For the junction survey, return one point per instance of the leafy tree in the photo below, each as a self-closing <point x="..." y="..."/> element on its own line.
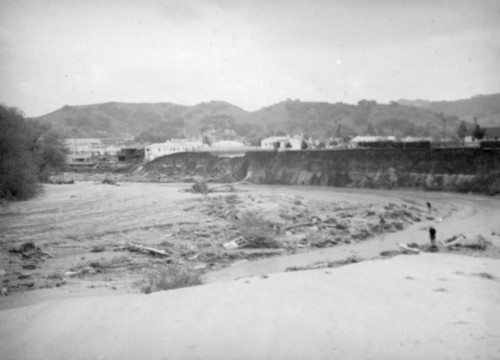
<point x="370" y="130"/>
<point x="18" y="175"/>
<point x="172" y="129"/>
<point x="478" y="132"/>
<point x="49" y="154"/>
<point x="217" y="123"/>
<point x="462" y="130"/>
<point x="29" y="151"/>
<point x="321" y="145"/>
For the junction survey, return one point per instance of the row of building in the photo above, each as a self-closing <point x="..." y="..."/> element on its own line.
<point x="88" y="149"/>
<point x="120" y="149"/>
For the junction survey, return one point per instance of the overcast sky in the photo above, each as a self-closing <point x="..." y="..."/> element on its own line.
<point x="250" y="53"/>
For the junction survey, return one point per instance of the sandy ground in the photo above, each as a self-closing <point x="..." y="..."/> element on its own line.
<point x="409" y="307"/>
<point x="431" y="305"/>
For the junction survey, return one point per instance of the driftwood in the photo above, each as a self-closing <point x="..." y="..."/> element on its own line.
<point x="217" y="188"/>
<point x="201" y="187"/>
<point x="239" y="242"/>
<point x="311" y="223"/>
<point x="408" y="249"/>
<point x="146" y="249"/>
<point x="326" y="264"/>
<point x="454" y="240"/>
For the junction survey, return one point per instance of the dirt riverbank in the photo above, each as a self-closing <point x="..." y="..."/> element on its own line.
<point x="72" y="259"/>
<point x="86" y="238"/>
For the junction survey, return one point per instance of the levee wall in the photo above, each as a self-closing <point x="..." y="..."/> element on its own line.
<point x="460" y="169"/>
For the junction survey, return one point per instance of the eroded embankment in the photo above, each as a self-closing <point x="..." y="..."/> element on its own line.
<point x="462" y="170"/>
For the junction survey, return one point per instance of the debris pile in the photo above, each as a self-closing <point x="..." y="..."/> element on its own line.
<point x="29" y="254"/>
<point x="62" y="179"/>
<point x="200" y="187"/>
<point x="109" y="181"/>
<point x="326" y="264"/>
<point x="474" y="242"/>
<point x="290" y="222"/>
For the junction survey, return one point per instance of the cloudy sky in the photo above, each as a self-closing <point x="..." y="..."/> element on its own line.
<point x="251" y="53"/>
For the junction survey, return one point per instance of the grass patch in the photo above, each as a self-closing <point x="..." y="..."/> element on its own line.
<point x="169" y="277"/>
<point x="257" y="231"/>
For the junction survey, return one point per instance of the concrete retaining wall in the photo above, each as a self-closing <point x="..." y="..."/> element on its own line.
<point x="464" y="170"/>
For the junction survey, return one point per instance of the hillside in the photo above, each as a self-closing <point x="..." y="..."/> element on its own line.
<point x="160" y="121"/>
<point x="118" y="119"/>
<point x="485" y="107"/>
<point x="325" y="120"/>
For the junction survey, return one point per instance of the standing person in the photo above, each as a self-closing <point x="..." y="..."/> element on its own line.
<point x="429" y="207"/>
<point x="432" y="235"/>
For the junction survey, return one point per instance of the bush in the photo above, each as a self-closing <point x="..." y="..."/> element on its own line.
<point x="18" y="175"/>
<point x="28" y="152"/>
<point x="257" y="231"/>
<point x="170" y="277"/>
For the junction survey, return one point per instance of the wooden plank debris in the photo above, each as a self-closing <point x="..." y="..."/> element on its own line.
<point x="147" y="249"/>
<point x="311" y="223"/>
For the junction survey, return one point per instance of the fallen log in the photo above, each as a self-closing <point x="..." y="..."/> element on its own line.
<point x="230" y="188"/>
<point x="142" y="248"/>
<point x="311" y="223"/>
<point x="454" y="240"/>
<point x="408" y="249"/>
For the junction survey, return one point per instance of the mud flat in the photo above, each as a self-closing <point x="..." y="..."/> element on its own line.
<point x="435" y="305"/>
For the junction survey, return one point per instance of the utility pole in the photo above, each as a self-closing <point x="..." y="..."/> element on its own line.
<point x="443" y="119"/>
<point x="444" y="128"/>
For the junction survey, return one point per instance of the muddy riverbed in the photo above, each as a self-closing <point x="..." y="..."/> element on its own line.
<point x="89" y="238"/>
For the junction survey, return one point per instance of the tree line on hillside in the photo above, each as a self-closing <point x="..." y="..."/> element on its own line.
<point x="29" y="152"/>
<point x="221" y="121"/>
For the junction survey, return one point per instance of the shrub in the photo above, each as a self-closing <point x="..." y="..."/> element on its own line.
<point x="18" y="178"/>
<point x="28" y="152"/>
<point x="257" y="231"/>
<point x="170" y="277"/>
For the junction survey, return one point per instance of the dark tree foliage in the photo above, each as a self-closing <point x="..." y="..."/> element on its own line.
<point x="462" y="130"/>
<point x="28" y="152"/>
<point x="18" y="178"/>
<point x="478" y="133"/>
<point x="49" y="154"/>
<point x="171" y="129"/>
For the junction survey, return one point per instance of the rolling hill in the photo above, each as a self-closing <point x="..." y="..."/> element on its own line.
<point x="485" y="107"/>
<point x="160" y="121"/>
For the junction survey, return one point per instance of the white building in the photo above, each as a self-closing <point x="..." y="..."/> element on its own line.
<point x="173" y="146"/>
<point x="228" y="144"/>
<point x="83" y="149"/>
<point x="360" y="139"/>
<point x="369" y="139"/>
<point x="415" y="139"/>
<point x="281" y="143"/>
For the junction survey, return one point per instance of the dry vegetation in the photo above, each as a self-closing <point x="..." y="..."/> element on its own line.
<point x="169" y="277"/>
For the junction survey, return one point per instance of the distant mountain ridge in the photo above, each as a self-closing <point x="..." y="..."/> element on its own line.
<point x="160" y="121"/>
<point x="485" y="107"/>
